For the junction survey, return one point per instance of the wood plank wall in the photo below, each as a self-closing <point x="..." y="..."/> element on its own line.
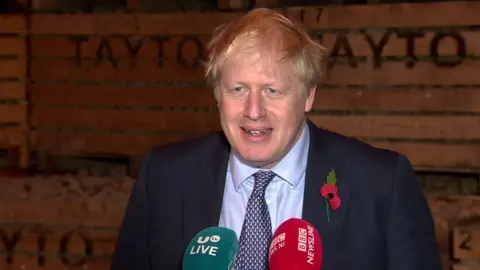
<point x="118" y="84"/>
<point x="13" y="73"/>
<point x="400" y="76"/>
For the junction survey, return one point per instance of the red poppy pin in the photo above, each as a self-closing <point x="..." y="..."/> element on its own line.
<point x="330" y="192"/>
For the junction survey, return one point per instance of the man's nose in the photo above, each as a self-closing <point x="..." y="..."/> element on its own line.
<point x="254" y="106"/>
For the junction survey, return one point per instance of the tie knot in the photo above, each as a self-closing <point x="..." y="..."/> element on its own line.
<point x="262" y="179"/>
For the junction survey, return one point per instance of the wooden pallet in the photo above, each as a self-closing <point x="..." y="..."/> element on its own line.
<point x="466" y="245"/>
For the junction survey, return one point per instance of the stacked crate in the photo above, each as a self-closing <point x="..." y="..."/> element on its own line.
<point x="466" y="245"/>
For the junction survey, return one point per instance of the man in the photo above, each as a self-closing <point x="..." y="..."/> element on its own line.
<point x="269" y="164"/>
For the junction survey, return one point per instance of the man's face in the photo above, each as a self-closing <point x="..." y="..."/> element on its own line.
<point x="262" y="108"/>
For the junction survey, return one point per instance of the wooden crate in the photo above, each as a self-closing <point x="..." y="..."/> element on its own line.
<point x="465" y="267"/>
<point x="118" y="84"/>
<point x="466" y="244"/>
<point x="84" y="213"/>
<point x="448" y="212"/>
<point x="60" y="222"/>
<point x="13" y="72"/>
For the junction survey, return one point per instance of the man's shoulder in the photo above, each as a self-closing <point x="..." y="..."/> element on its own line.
<point x="358" y="151"/>
<point x="191" y="148"/>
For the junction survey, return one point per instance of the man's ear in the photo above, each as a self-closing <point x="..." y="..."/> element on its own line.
<point x="216" y="95"/>
<point x="310" y="98"/>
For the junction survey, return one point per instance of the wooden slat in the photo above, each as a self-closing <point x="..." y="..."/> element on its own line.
<point x="391" y="15"/>
<point x="13" y="24"/>
<point x="231" y="4"/>
<point x="134" y="5"/>
<point x="460" y="266"/>
<point x="332" y="99"/>
<point x="12" y="90"/>
<point x="103" y="240"/>
<point x="12" y="46"/>
<point x="147" y="70"/>
<point x="45" y="5"/>
<point x="437" y="155"/>
<point x="396" y="43"/>
<point x="454" y="156"/>
<point x="445" y="257"/>
<point x="392" y="73"/>
<point x="176" y="121"/>
<point x="267" y="3"/>
<point x="53" y="263"/>
<point x="13" y="68"/>
<point x="400" y="100"/>
<point x="76" y="241"/>
<point x="124" y="47"/>
<point x="71" y="143"/>
<point x="11" y="137"/>
<point x="141" y="24"/>
<point x="398" y="73"/>
<point x="161" y="96"/>
<point x="65" y="200"/>
<point x="366" y="126"/>
<point x="12" y="113"/>
<point x="403" y="127"/>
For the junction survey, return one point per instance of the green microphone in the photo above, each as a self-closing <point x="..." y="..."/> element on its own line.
<point x="213" y="248"/>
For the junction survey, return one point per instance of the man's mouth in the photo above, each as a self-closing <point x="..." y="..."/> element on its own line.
<point x="257" y="132"/>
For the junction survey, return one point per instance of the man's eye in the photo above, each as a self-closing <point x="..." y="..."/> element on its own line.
<point x="272" y="91"/>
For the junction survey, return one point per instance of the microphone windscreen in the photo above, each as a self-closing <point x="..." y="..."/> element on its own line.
<point x="212" y="248"/>
<point x="296" y="245"/>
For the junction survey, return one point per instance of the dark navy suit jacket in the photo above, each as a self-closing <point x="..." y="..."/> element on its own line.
<point x="383" y="223"/>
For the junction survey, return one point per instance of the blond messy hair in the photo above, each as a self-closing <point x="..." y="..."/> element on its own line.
<point x="267" y="32"/>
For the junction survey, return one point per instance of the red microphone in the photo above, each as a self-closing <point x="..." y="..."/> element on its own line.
<point x="296" y="245"/>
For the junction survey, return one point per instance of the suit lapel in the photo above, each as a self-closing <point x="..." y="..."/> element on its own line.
<point x="322" y="158"/>
<point x="203" y="199"/>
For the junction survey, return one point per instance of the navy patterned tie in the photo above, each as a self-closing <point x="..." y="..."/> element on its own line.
<point x="257" y="228"/>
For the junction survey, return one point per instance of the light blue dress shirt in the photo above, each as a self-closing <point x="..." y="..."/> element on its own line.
<point x="284" y="195"/>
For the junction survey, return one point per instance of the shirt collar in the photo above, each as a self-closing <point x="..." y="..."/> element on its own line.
<point x="290" y="169"/>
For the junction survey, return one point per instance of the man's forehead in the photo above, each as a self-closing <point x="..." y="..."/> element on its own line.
<point x="265" y="62"/>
